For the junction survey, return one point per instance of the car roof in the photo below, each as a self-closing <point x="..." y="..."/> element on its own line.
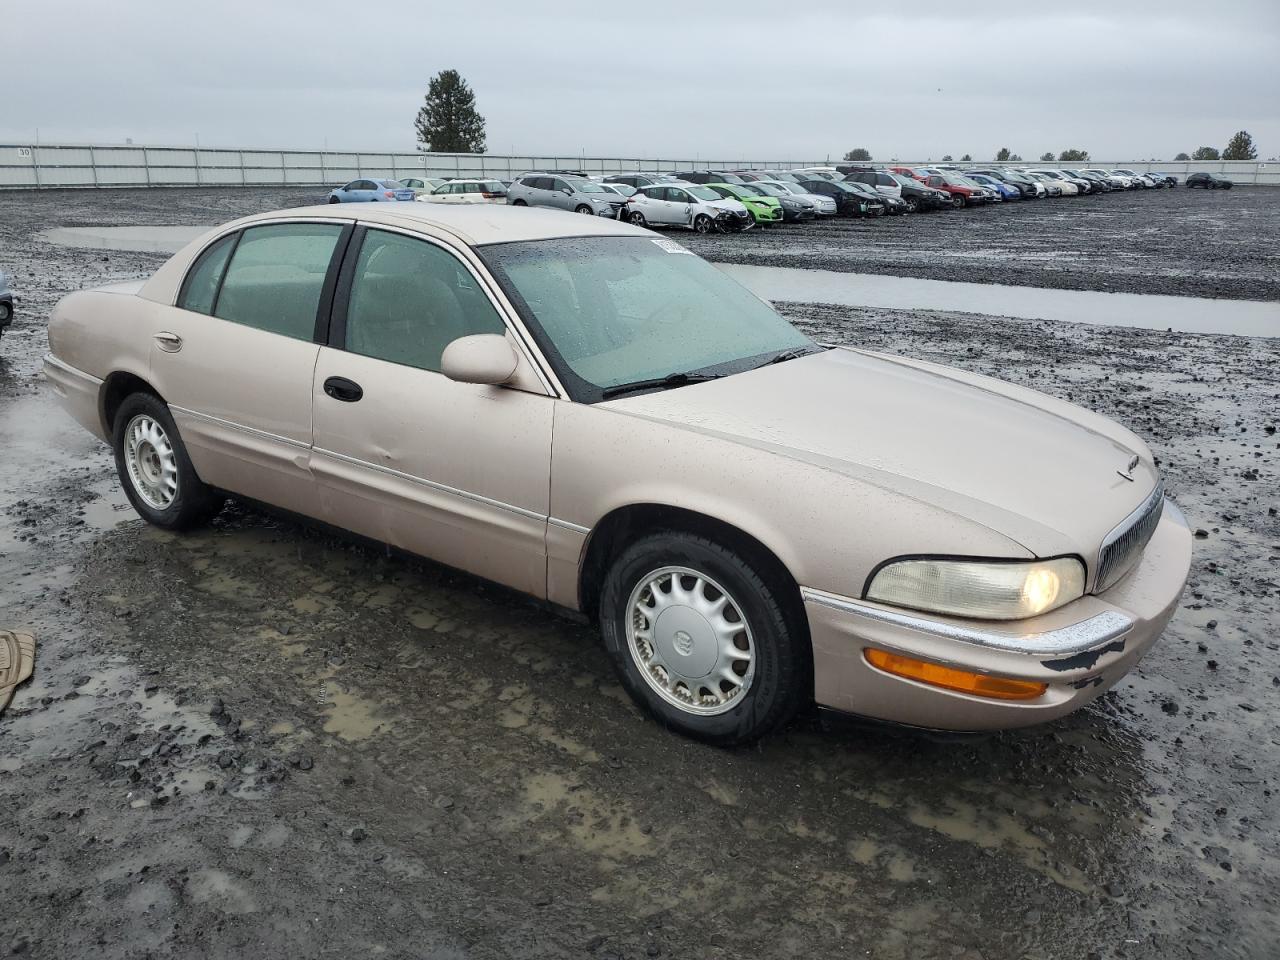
<point x="474" y="224"/>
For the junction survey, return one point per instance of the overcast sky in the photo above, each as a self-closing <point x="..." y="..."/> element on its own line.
<point x="911" y="80"/>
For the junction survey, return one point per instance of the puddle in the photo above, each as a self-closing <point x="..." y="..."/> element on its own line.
<point x="1250" y="318"/>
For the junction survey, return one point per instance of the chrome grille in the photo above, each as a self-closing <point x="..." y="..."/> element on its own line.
<point x="1125" y="543"/>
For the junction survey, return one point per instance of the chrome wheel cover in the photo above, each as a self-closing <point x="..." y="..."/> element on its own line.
<point x="690" y="641"/>
<point x="151" y="462"/>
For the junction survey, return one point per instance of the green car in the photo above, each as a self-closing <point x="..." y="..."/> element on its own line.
<point x="764" y="208"/>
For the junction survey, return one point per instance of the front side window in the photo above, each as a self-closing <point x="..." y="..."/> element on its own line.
<point x="276" y="276"/>
<point x="617" y="310"/>
<point x="200" y="288"/>
<point x="410" y="299"/>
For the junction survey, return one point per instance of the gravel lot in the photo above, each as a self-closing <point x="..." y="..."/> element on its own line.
<point x="1224" y="243"/>
<point x="264" y="738"/>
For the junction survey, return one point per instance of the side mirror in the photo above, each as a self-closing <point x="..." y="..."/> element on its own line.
<point x="480" y="358"/>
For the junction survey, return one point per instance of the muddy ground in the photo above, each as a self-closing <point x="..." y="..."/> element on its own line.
<point x="267" y="739"/>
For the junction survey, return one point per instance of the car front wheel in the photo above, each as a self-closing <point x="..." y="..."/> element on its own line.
<point x="702" y="640"/>
<point x="957" y="200"/>
<point x="154" y="468"/>
<point x="702" y="223"/>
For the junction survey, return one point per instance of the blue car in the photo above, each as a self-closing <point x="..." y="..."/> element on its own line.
<point x="369" y="191"/>
<point x="1006" y="191"/>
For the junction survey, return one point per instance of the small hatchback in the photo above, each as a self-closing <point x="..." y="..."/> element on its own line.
<point x="562" y="192"/>
<point x="691" y="205"/>
<point x="586" y="412"/>
<point x="371" y="191"/>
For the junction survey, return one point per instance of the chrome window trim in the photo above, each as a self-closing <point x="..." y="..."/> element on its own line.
<point x="510" y="316"/>
<point x="272" y="221"/>
<point x="1098" y="630"/>
<point x="240" y="427"/>
<point x="433" y="485"/>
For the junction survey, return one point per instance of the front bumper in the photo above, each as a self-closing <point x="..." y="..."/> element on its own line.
<point x="1079" y="650"/>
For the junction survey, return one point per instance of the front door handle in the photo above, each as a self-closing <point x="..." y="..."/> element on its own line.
<point x="168" y="342"/>
<point x="340" y="388"/>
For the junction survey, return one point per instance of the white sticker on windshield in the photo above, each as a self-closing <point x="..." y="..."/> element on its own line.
<point x="668" y="245"/>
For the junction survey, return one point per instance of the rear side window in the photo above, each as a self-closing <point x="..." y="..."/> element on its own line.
<point x="276" y="276"/>
<point x="410" y="299"/>
<point x="200" y="288"/>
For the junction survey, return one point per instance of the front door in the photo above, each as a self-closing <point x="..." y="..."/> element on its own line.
<point x="234" y="358"/>
<point x="453" y="471"/>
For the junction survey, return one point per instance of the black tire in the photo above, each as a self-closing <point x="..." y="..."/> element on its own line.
<point x="636" y="218"/>
<point x="583" y="208"/>
<point x="334" y="200"/>
<point x="912" y="204"/>
<point x="958" y="200"/>
<point x="518" y="203"/>
<point x="782" y="658"/>
<point x="6" y="311"/>
<point x="194" y="502"/>
<point x="703" y="224"/>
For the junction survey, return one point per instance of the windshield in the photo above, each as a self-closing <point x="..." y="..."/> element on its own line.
<point x="615" y="310"/>
<point x="704" y="193"/>
<point x="750" y="189"/>
<point x="769" y="189"/>
<point x="587" y="186"/>
<point x="787" y="177"/>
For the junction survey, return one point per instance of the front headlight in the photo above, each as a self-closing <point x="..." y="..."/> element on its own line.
<point x="979" y="589"/>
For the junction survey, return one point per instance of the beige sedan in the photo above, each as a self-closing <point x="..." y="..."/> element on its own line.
<point x="586" y="412"/>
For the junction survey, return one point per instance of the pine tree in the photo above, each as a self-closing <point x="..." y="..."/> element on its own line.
<point x="1240" y="147"/>
<point x="447" y="121"/>
<point x="1003" y="155"/>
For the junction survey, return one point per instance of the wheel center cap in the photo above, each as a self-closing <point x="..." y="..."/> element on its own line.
<point x="685" y="641"/>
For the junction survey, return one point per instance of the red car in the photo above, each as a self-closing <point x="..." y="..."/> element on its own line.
<point x="964" y="192"/>
<point x="910" y="172"/>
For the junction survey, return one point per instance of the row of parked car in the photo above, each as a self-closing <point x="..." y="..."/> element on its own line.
<point x="725" y="201"/>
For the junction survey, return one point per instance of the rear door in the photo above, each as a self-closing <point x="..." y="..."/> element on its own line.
<point x="234" y="358"/>
<point x="453" y="471"/>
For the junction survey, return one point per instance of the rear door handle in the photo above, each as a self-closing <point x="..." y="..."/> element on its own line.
<point x="168" y="342"/>
<point x="340" y="388"/>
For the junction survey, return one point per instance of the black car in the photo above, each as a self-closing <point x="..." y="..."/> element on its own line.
<point x="849" y="202"/>
<point x="708" y="176"/>
<point x="1210" y="181"/>
<point x="915" y="195"/>
<point x="6" y="303"/>
<point x="1023" y="184"/>
<point x="892" y="205"/>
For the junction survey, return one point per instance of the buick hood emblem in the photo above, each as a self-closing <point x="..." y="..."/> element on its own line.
<point x="1127" y="472"/>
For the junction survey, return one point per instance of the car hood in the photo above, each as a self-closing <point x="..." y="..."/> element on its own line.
<point x="733" y="206"/>
<point x="1037" y="470"/>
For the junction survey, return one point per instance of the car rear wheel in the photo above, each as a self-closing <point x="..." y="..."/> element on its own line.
<point x="154" y="468"/>
<point x="702" y="223"/>
<point x="637" y="218"/>
<point x="5" y="312"/>
<point x="518" y="203"/>
<point x="702" y="640"/>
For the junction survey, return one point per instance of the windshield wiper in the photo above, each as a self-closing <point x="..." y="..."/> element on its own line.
<point x="671" y="380"/>
<point x="786" y="355"/>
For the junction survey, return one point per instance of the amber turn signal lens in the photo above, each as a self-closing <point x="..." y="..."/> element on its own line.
<point x="949" y="678"/>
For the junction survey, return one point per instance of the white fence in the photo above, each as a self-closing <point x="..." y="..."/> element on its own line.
<point x="92" y="165"/>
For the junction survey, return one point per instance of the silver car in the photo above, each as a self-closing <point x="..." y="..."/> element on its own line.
<point x="563" y="192"/>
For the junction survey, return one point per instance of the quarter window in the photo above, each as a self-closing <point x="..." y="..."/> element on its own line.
<point x="410" y="299"/>
<point x="200" y="288"/>
<point x="276" y="276"/>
